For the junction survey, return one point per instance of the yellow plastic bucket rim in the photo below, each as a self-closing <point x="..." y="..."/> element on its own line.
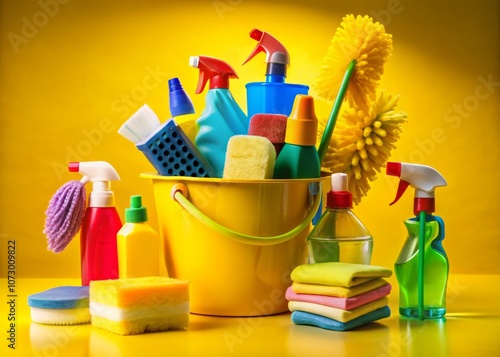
<point x="153" y="176"/>
<point x="179" y="194"/>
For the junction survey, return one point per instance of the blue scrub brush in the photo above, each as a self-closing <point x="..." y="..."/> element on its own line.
<point x="166" y="146"/>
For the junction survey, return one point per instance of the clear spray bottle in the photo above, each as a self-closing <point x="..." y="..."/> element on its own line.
<point x="422" y="266"/>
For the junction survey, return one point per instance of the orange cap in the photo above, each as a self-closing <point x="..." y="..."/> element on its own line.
<point x="302" y="124"/>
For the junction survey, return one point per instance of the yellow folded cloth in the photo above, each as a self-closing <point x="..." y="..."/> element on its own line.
<point x="338" y="314"/>
<point x="339" y="291"/>
<point x="338" y="274"/>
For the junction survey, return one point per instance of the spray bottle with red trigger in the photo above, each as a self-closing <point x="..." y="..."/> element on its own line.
<point x="101" y="223"/>
<point x="222" y="117"/>
<point x="422" y="266"/>
<point x="273" y="96"/>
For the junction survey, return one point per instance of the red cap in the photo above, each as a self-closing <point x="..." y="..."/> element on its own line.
<point x="74" y="167"/>
<point x="424" y="204"/>
<point x="339" y="196"/>
<point x="213" y="69"/>
<point x="339" y="199"/>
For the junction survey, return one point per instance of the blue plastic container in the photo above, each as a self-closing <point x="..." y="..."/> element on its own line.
<point x="272" y="97"/>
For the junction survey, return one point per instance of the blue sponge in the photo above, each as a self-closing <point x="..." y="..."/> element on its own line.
<point x="64" y="305"/>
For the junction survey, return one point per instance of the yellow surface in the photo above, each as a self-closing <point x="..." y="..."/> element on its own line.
<point x="71" y="72"/>
<point x="470" y="329"/>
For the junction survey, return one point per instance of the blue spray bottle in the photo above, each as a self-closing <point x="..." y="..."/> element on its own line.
<point x="273" y="96"/>
<point x="222" y="117"/>
<point x="422" y="266"/>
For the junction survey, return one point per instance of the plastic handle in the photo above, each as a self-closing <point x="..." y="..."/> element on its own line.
<point x="179" y="191"/>
<point x="403" y="185"/>
<point x="330" y="124"/>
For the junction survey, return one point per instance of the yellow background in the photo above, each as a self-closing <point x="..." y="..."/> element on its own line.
<point x="73" y="71"/>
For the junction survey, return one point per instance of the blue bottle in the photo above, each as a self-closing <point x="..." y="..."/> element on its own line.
<point x="273" y="96"/>
<point x="222" y="117"/>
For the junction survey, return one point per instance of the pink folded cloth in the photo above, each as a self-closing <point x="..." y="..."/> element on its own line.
<point x="340" y="302"/>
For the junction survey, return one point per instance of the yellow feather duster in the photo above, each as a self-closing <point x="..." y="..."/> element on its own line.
<point x="362" y="142"/>
<point x="358" y="39"/>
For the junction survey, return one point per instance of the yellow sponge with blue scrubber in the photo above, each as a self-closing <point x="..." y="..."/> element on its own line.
<point x="64" y="305"/>
<point x="137" y="305"/>
<point x="249" y="157"/>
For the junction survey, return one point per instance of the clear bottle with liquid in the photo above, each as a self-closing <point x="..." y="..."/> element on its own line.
<point x="339" y="236"/>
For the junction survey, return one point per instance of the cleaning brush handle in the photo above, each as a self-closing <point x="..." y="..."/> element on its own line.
<point x="330" y="125"/>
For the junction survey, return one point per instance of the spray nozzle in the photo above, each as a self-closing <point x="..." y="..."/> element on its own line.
<point x="100" y="173"/>
<point x="277" y="56"/>
<point x="213" y="69"/>
<point x="424" y="179"/>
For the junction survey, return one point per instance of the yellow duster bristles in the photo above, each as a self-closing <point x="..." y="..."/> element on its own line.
<point x="357" y="39"/>
<point x="362" y="142"/>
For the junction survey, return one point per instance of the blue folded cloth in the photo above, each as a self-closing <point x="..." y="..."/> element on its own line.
<point x="306" y="318"/>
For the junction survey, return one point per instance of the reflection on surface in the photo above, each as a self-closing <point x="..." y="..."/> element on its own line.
<point x="49" y="340"/>
<point x="416" y="336"/>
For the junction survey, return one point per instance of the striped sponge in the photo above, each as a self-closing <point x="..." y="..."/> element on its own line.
<point x="64" y="305"/>
<point x="137" y="305"/>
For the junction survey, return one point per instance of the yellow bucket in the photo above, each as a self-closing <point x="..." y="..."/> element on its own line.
<point x="235" y="241"/>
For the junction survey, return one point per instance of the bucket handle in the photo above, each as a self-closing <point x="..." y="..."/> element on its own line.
<point x="179" y="193"/>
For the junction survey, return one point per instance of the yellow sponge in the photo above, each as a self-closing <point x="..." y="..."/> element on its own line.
<point x="249" y="157"/>
<point x="137" y="305"/>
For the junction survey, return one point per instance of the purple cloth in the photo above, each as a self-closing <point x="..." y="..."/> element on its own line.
<point x="64" y="215"/>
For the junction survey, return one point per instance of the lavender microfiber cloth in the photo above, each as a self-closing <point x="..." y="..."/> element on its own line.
<point x="306" y="318"/>
<point x="64" y="215"/>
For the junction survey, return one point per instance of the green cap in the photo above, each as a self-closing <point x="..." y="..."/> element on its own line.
<point x="136" y="213"/>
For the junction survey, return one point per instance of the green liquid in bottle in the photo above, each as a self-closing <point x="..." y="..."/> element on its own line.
<point x="435" y="273"/>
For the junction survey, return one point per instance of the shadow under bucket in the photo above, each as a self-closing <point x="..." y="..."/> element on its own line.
<point x="235" y="241"/>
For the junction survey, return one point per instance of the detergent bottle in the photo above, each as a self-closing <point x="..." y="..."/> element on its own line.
<point x="273" y="96"/>
<point x="98" y="248"/>
<point x="299" y="157"/>
<point x="138" y="243"/>
<point x="339" y="236"/>
<point x="222" y="116"/>
<point x="181" y="108"/>
<point x="422" y="266"/>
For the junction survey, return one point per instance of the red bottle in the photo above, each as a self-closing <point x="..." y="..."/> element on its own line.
<point x="98" y="247"/>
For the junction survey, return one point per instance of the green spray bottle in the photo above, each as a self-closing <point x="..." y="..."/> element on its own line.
<point x="422" y="266"/>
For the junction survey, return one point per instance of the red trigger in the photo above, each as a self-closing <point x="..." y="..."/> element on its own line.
<point x="403" y="185"/>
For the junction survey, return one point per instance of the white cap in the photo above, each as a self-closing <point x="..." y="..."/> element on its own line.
<point x="339" y="182"/>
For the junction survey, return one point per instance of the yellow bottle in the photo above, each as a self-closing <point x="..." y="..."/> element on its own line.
<point x="138" y="243"/>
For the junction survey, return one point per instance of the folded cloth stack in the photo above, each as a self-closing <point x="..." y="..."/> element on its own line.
<point x="338" y="296"/>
